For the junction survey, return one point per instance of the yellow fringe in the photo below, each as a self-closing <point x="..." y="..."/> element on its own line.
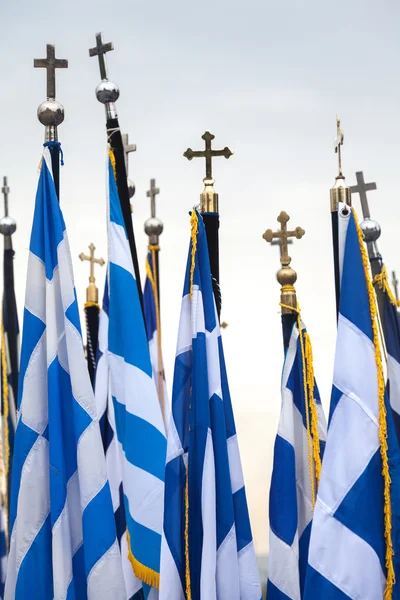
<point x="142" y="572"/>
<point x="390" y="580"/>
<point x="112" y="159"/>
<point x="313" y="408"/>
<point x="195" y="227"/>
<point x="6" y="409"/>
<point x="187" y="564"/>
<point x="152" y="275"/>
<point x="381" y="279"/>
<point x="307" y="409"/>
<point x="90" y="304"/>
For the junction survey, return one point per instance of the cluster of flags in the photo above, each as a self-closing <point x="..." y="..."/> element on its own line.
<point x="107" y="491"/>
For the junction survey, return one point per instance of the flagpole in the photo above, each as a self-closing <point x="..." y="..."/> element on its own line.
<point x="92" y="312"/>
<point x="340" y="193"/>
<point x="286" y="276"/>
<point x="209" y="209"/>
<point x="107" y="93"/>
<point x="50" y="112"/>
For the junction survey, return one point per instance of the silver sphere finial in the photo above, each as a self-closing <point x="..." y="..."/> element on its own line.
<point x="153" y="227"/>
<point x="371" y="230"/>
<point x="50" y="113"/>
<point x="107" y="92"/>
<point x="7" y="225"/>
<point x="131" y="188"/>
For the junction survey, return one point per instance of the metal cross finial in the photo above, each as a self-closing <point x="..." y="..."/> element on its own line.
<point x="128" y="148"/>
<point x="208" y="153"/>
<point x="50" y="63"/>
<point x="339" y="141"/>
<point x="283" y="236"/>
<point x="92" y="260"/>
<point x="5" y="191"/>
<point x="100" y="50"/>
<point x="395" y="284"/>
<point x="152" y="193"/>
<point x="278" y="242"/>
<point x="362" y="188"/>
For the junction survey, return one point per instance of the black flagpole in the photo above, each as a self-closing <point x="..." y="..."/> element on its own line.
<point x="209" y="209"/>
<point x="107" y="93"/>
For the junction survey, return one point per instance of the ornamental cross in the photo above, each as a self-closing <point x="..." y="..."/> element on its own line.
<point x="362" y="188"/>
<point x="101" y="50"/>
<point x="339" y="141"/>
<point x="395" y="284"/>
<point x="208" y="153"/>
<point x="152" y="193"/>
<point x="50" y="63"/>
<point x="279" y="243"/>
<point x="283" y="236"/>
<point x="92" y="260"/>
<point x="128" y="148"/>
<point x="5" y="191"/>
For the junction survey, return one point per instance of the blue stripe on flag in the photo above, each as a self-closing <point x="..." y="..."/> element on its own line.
<point x="322" y="588"/>
<point x="115" y="206"/>
<point x="361" y="502"/>
<point x="355" y="306"/>
<point x="283" y="492"/>
<point x="275" y="593"/>
<point x="48" y="224"/>
<point x="33" y="330"/>
<point x="242" y="520"/>
<point x="144" y="538"/>
<point x="146" y="448"/>
<point x="77" y="588"/>
<point x="174" y="515"/>
<point x="126" y="314"/>
<point x="35" y="576"/>
<point x="72" y="314"/>
<point x="180" y="392"/>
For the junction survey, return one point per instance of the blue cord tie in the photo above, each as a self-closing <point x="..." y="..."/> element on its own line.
<point x="55" y="144"/>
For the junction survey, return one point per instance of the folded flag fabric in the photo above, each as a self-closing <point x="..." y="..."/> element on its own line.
<point x="353" y="534"/>
<point x="136" y="444"/>
<point x="298" y="452"/>
<point x="60" y="493"/>
<point x="207" y="550"/>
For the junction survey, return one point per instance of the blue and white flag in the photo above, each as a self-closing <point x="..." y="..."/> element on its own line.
<point x="137" y="443"/>
<point x="153" y="327"/>
<point x="298" y="451"/>
<point x="63" y="539"/>
<point x="350" y="554"/>
<point x="207" y="551"/>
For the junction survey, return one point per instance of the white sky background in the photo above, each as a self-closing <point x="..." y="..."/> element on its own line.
<point x="267" y="78"/>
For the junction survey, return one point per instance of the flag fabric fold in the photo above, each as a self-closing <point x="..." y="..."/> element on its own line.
<point x="130" y="414"/>
<point x="298" y="452"/>
<point x="153" y="326"/>
<point x="353" y="534"/>
<point x="60" y="493"/>
<point x="207" y="549"/>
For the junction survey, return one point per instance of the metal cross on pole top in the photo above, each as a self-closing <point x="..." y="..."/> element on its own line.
<point x="286" y="276"/>
<point x="339" y="141"/>
<point x="152" y="193"/>
<point x="283" y="236"/>
<point x="208" y="153"/>
<point x="50" y="63"/>
<point x="128" y="148"/>
<point x="5" y="190"/>
<point x="92" y="294"/>
<point x="362" y="188"/>
<point x="101" y="50"/>
<point x="277" y="242"/>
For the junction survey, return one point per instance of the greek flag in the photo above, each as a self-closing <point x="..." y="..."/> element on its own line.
<point x="136" y="453"/>
<point x="153" y="326"/>
<point x="63" y="540"/>
<point x="207" y="551"/>
<point x="298" y="452"/>
<point x="350" y="554"/>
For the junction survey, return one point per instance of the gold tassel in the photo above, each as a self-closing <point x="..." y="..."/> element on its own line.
<point x="187" y="563"/>
<point x="381" y="279"/>
<point x="313" y="408"/>
<point x="195" y="227"/>
<point x="6" y="409"/>
<point x="390" y="579"/>
<point x="112" y="160"/>
<point x="142" y="572"/>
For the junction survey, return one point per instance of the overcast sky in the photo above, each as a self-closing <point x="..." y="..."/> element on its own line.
<point x="267" y="78"/>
